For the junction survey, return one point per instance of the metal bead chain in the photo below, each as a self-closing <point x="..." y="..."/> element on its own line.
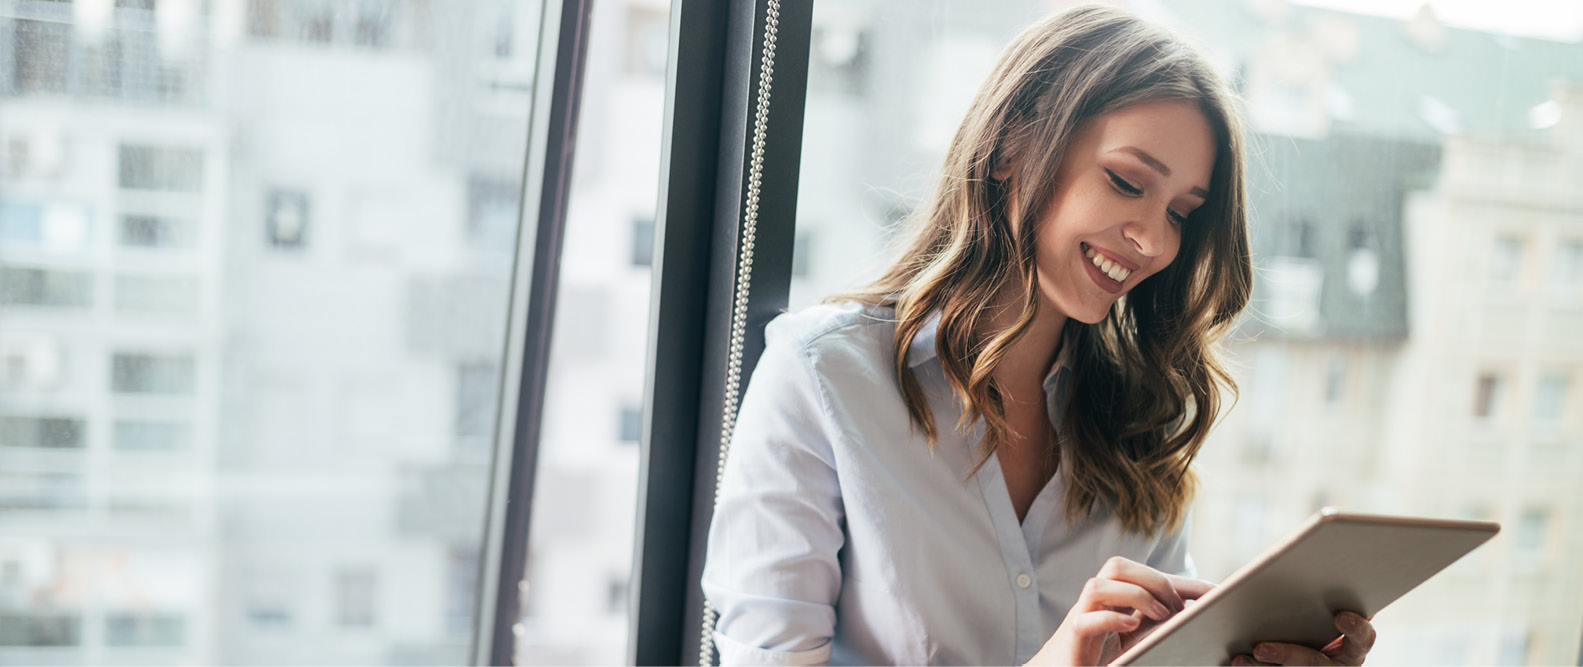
<point x="739" y="313"/>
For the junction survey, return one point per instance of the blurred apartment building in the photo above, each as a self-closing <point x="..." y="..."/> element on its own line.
<point x="253" y="267"/>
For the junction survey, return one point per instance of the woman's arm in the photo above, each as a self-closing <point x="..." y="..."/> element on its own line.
<point x="771" y="570"/>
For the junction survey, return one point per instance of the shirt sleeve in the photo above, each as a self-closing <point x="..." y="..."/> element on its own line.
<point x="1170" y="554"/>
<point x="771" y="569"/>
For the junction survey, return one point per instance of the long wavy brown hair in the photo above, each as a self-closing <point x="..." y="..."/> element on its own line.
<point x="1147" y="386"/>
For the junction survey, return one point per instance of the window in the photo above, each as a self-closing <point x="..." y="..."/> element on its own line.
<point x="355" y="597"/>
<point x="43" y="432"/>
<point x="286" y="219"/>
<point x="154" y="231"/>
<point x="159" y="168"/>
<point x="1506" y="258"/>
<point x="631" y="424"/>
<point x="171" y="360"/>
<point x="1550" y="397"/>
<point x="34" y="491"/>
<point x="156" y="295"/>
<point x="1533" y="533"/>
<point x="42" y="287"/>
<point x="41" y="54"/>
<point x="133" y="373"/>
<point x="804" y="248"/>
<point x="137" y="435"/>
<point x="476" y="385"/>
<point x="144" y="629"/>
<point x="43" y="629"/>
<point x="642" y="242"/>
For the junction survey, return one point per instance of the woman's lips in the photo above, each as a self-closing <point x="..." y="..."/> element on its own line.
<point x="1100" y="278"/>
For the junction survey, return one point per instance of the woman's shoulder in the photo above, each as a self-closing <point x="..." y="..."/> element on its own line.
<point x="843" y="329"/>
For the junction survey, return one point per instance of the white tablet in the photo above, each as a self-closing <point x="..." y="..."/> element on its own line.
<point x="1336" y="562"/>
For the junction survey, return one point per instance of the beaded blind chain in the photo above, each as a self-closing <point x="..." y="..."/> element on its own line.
<point x="739" y="313"/>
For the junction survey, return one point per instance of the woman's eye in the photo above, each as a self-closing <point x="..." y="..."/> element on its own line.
<point x="1176" y="217"/>
<point x="1122" y="185"/>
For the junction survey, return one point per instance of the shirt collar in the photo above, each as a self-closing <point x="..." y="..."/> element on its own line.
<point x="922" y="350"/>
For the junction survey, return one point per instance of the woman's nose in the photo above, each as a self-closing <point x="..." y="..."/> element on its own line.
<point x="1150" y="239"/>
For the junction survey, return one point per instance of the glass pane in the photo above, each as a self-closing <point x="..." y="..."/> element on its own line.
<point x="1409" y="344"/>
<point x="254" y="266"/>
<point x="585" y="495"/>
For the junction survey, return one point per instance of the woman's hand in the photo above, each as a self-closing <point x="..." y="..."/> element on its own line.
<point x="1357" y="637"/>
<point x="1123" y="598"/>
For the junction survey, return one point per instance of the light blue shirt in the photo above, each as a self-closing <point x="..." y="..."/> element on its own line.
<point x="840" y="537"/>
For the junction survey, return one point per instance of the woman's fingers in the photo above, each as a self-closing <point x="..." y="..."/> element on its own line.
<point x="1278" y="653"/>
<point x="1245" y="660"/>
<point x="1099" y="623"/>
<point x="1357" y="637"/>
<point x="1189" y="588"/>
<point x="1157" y="583"/>
<point x="1100" y="593"/>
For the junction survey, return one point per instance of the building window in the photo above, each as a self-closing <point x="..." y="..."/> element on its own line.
<point x="156" y="295"/>
<point x="21" y="223"/>
<point x="1533" y="529"/>
<point x="1550" y="398"/>
<point x="1486" y="395"/>
<point x="44" y="432"/>
<point x="286" y="219"/>
<point x="149" y="231"/>
<point x="804" y="246"/>
<point x="272" y="615"/>
<point x="152" y="374"/>
<point x="643" y="242"/>
<point x="1506" y="258"/>
<point x="156" y="168"/>
<point x="42" y="629"/>
<point x="40" y="53"/>
<point x="355" y="593"/>
<point x="492" y="211"/>
<point x="144" y="629"/>
<point x="631" y="424"/>
<point x="476" y="399"/>
<point x="39" y="287"/>
<point x="151" y="436"/>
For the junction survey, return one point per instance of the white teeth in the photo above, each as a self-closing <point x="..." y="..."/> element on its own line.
<point x="1116" y="271"/>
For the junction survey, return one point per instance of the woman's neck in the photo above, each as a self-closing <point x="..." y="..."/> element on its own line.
<point x="1022" y="371"/>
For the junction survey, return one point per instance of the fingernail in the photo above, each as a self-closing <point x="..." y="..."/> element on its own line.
<point x="1263" y="652"/>
<point x="1348" y="621"/>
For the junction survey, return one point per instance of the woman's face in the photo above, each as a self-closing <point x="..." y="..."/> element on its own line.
<point x="1123" y="193"/>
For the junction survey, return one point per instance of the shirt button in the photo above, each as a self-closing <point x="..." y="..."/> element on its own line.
<point x="1024" y="581"/>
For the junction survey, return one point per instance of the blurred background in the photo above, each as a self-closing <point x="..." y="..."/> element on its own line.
<point x="255" y="258"/>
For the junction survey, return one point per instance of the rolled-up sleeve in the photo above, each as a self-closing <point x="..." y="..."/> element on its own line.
<point x="772" y="570"/>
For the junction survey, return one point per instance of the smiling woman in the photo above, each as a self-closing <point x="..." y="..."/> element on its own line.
<point x="998" y="432"/>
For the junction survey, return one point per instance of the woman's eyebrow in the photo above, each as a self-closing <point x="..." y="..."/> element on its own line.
<point x="1156" y="165"/>
<point x="1146" y="158"/>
